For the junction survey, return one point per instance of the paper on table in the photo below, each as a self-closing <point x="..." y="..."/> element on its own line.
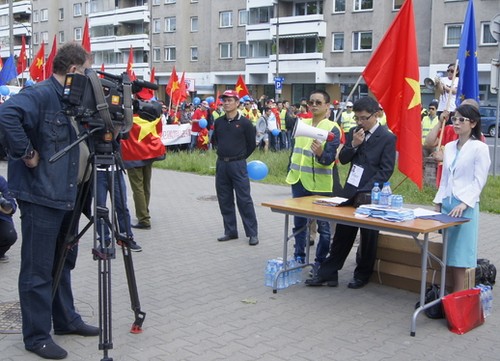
<point x="330" y="201"/>
<point x="421" y="212"/>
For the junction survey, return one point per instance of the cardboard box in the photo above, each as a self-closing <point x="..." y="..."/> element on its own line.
<point x="399" y="262"/>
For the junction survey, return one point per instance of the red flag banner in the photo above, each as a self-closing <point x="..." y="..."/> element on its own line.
<point x="392" y="75"/>
<point x="22" y="59"/>
<point x="241" y="87"/>
<point x="173" y="83"/>
<point x="38" y="65"/>
<point x="180" y="94"/>
<point x="102" y="69"/>
<point x="86" y="36"/>
<point x="130" y="65"/>
<point x="146" y="93"/>
<point x="144" y="141"/>
<point x="50" y="59"/>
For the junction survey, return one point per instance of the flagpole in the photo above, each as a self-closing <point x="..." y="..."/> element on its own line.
<point x="448" y="103"/>
<point x="339" y="114"/>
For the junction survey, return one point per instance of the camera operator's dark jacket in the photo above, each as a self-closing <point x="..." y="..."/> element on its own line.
<point x="33" y="119"/>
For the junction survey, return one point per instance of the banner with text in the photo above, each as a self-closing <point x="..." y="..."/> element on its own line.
<point x="176" y="134"/>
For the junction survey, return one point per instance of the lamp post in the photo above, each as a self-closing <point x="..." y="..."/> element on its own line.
<point x="277" y="91"/>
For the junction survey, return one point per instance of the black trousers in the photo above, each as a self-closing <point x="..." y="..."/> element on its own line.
<point x="8" y="236"/>
<point x="342" y="243"/>
<point x="232" y="178"/>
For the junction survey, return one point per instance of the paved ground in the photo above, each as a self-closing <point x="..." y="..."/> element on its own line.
<point x="207" y="301"/>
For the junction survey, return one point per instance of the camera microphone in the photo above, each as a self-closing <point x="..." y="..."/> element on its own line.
<point x="139" y="83"/>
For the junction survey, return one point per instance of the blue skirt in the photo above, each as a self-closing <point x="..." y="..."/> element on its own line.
<point x="462" y="239"/>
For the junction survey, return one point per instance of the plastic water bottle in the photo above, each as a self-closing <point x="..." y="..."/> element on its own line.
<point x="270" y="272"/>
<point x="375" y="193"/>
<point x="489" y="301"/>
<point x="385" y="195"/>
<point x="397" y="201"/>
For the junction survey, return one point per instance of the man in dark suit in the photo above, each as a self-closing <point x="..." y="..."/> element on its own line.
<point x="371" y="150"/>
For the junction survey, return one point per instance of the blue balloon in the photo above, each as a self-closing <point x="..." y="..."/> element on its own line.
<point x="257" y="170"/>
<point x="203" y="123"/>
<point x="210" y="100"/>
<point x="196" y="101"/>
<point x="4" y="90"/>
<point x="275" y="132"/>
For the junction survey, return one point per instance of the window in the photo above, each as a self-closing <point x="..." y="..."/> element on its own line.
<point x="242" y="50"/>
<point x="338" y="6"/>
<point x="225" y="51"/>
<point x="36" y="39"/>
<point x="194" y="53"/>
<point x="259" y="49"/>
<point x="156" y="26"/>
<point x="78" y="34"/>
<point x="225" y="19"/>
<point x="87" y="8"/>
<point x="170" y="24"/>
<point x="486" y="37"/>
<point x="362" y="5"/>
<point x="309" y="8"/>
<point x="156" y="2"/>
<point x="44" y="37"/>
<point x="362" y="40"/>
<point x="338" y="42"/>
<point x="301" y="45"/>
<point x="44" y="15"/>
<point x="170" y="54"/>
<point x="36" y="16"/>
<point x="61" y="14"/>
<point x="260" y="15"/>
<point x="242" y="17"/>
<point x="396" y="4"/>
<point x="194" y="24"/>
<point x="156" y="54"/>
<point x="77" y="9"/>
<point x="170" y="1"/>
<point x="452" y="34"/>
<point x="61" y="37"/>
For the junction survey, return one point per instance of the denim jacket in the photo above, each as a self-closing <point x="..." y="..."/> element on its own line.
<point x="33" y="119"/>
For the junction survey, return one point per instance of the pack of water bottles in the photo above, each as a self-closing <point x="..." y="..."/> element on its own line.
<point x="486" y="299"/>
<point x="285" y="279"/>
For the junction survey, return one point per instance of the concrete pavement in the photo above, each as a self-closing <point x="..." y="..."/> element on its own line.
<point x="206" y="300"/>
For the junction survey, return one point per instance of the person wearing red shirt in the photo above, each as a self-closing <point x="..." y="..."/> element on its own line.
<point x="199" y="113"/>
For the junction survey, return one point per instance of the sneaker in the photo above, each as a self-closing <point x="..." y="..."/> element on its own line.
<point x="134" y="247"/>
<point x="4" y="259"/>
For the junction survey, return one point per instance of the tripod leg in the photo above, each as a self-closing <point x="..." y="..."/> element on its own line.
<point x="105" y="317"/>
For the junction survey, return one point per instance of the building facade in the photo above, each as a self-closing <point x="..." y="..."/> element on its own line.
<point x="308" y="43"/>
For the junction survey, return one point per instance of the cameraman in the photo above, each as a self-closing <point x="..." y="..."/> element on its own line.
<point x="8" y="235"/>
<point x="35" y="128"/>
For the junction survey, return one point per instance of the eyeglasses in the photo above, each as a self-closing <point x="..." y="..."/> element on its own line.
<point x="362" y="119"/>
<point x="460" y="119"/>
<point x="349" y="107"/>
<point x="450" y="70"/>
<point x="315" y="102"/>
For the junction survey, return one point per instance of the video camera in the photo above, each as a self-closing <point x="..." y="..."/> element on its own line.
<point x="106" y="103"/>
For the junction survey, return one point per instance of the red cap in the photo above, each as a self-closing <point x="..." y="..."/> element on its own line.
<point x="335" y="102"/>
<point x="230" y="94"/>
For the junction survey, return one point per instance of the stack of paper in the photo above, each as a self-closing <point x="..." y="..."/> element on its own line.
<point x="330" y="201"/>
<point x="386" y="213"/>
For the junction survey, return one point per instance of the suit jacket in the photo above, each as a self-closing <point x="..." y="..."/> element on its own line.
<point x="376" y="156"/>
<point x="466" y="176"/>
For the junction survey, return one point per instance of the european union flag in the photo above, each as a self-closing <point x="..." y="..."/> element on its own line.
<point x="468" y="82"/>
<point x="8" y="72"/>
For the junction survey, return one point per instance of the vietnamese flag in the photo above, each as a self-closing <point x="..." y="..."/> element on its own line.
<point x="173" y="83"/>
<point x="146" y="93"/>
<point x="21" y="60"/>
<point x="180" y="94"/>
<point x="144" y="141"/>
<point x="130" y="65"/>
<point x="241" y="87"/>
<point x="86" y="36"/>
<point x="392" y="75"/>
<point x="50" y="59"/>
<point x="38" y="66"/>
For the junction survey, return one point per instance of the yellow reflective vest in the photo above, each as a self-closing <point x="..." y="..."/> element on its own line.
<point x="304" y="166"/>
<point x="427" y="125"/>
<point x="348" y="121"/>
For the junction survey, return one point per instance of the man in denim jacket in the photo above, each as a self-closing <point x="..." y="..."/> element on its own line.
<point x="35" y="128"/>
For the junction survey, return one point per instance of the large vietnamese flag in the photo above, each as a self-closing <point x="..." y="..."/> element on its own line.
<point x="144" y="141"/>
<point x="37" y="68"/>
<point x="392" y="75"/>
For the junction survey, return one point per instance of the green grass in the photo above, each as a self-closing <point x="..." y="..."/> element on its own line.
<point x="204" y="163"/>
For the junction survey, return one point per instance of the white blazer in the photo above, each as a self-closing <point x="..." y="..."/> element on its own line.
<point x="466" y="177"/>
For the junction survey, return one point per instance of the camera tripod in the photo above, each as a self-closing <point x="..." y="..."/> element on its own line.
<point x="103" y="155"/>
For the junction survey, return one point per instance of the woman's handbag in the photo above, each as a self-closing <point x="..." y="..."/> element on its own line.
<point x="463" y="310"/>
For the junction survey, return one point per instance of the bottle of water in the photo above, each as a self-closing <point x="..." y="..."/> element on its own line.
<point x="489" y="301"/>
<point x="270" y="272"/>
<point x="375" y="194"/>
<point x="385" y="195"/>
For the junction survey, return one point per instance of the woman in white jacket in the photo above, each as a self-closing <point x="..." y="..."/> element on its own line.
<point x="465" y="171"/>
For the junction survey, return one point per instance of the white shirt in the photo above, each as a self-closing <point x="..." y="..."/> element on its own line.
<point x="443" y="98"/>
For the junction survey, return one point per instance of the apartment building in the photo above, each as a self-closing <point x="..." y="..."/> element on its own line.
<point x="308" y="43"/>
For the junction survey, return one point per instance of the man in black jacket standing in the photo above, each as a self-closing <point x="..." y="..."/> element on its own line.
<point x="234" y="137"/>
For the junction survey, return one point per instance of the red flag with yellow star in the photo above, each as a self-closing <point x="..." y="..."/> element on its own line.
<point x="130" y="65"/>
<point x="241" y="87"/>
<point x="392" y="75"/>
<point x="38" y="66"/>
<point x="144" y="141"/>
<point x="22" y="59"/>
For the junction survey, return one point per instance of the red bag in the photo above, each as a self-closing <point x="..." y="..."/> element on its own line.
<point x="463" y="310"/>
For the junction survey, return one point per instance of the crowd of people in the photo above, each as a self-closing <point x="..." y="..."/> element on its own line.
<point x="34" y="128"/>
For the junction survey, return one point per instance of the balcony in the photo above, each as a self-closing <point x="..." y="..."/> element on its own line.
<point x="294" y="26"/>
<point x="136" y="14"/>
